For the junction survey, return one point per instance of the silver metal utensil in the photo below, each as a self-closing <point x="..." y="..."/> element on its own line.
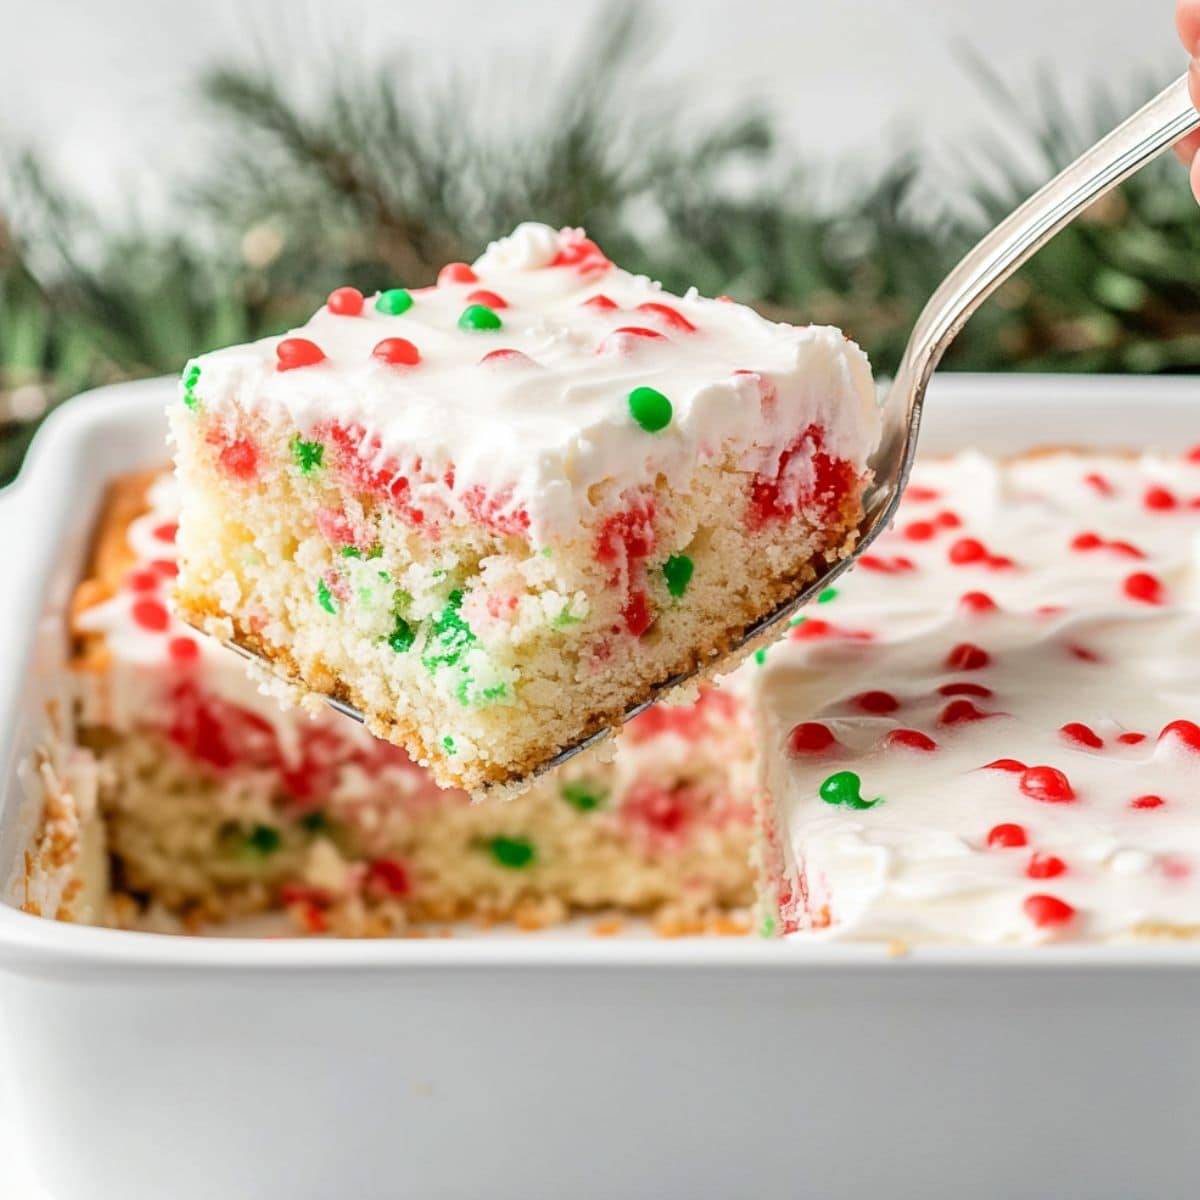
<point x="1151" y="130"/>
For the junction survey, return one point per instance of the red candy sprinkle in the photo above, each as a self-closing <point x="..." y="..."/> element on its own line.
<point x="397" y="352"/>
<point x="636" y="613"/>
<point x="167" y="567"/>
<point x="876" y="702"/>
<point x="1048" y="910"/>
<point x="1131" y="739"/>
<point x="345" y="302"/>
<point x="887" y="566"/>
<point x="150" y="615"/>
<point x="977" y="602"/>
<point x="297" y="352"/>
<point x="1084" y="735"/>
<point x="1047" y="784"/>
<point x="810" y="737"/>
<point x="1006" y="837"/>
<point x="1193" y="455"/>
<point x="456" y="272"/>
<point x="1045" y="866"/>
<point x="948" y="520"/>
<point x="958" y="712"/>
<point x="1188" y="732"/>
<point x="1087" y="541"/>
<point x="627" y="337"/>
<point x="1147" y="801"/>
<point x="486" y="298"/>
<point x="919" y="531"/>
<point x="1097" y="481"/>
<point x="917" y="491"/>
<point x="142" y="581"/>
<point x="667" y="314"/>
<point x="239" y="459"/>
<point x="389" y="876"/>
<point x="601" y="302"/>
<point x="1004" y="764"/>
<point x="910" y="739"/>
<point x="1144" y="587"/>
<point x="505" y="355"/>
<point x="965" y="688"/>
<point x="167" y="531"/>
<point x="967" y="550"/>
<point x="1160" y="499"/>
<point x="967" y="657"/>
<point x="183" y="650"/>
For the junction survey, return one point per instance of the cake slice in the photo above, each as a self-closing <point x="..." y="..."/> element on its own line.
<point x="212" y="802"/>
<point x="494" y="513"/>
<point x="992" y="732"/>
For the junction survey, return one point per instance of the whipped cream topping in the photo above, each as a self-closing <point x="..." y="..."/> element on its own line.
<point x="1040" y="615"/>
<point x="540" y="428"/>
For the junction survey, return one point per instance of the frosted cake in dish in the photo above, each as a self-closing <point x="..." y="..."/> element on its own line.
<point x="492" y="514"/>
<point x="212" y="802"/>
<point x="992" y="733"/>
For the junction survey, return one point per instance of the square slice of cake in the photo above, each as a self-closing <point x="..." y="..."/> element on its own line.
<point x="494" y="513"/>
<point x="992" y="733"/>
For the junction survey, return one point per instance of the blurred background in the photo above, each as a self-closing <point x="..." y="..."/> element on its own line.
<point x="179" y="174"/>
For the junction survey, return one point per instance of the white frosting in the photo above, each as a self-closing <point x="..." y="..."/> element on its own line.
<point x="917" y="866"/>
<point x="540" y="433"/>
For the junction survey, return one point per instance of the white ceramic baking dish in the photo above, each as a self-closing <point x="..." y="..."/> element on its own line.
<point x="561" y="1066"/>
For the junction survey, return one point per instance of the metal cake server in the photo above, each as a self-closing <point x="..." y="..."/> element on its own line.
<point x="1151" y="130"/>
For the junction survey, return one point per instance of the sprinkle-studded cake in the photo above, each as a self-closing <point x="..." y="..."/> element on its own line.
<point x="213" y="802"/>
<point x="989" y="733"/>
<point x="494" y="513"/>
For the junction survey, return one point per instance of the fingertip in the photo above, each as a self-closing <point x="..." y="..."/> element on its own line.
<point x="1187" y="21"/>
<point x="1196" y="176"/>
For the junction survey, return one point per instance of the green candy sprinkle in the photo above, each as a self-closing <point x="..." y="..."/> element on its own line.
<point x="402" y="636"/>
<point x="827" y="595"/>
<point x="678" y="573"/>
<point x="351" y="552"/>
<point x="315" y="822"/>
<point x="796" y="621"/>
<point x="760" y="655"/>
<point x="650" y="409"/>
<point x="190" y="379"/>
<point x="844" y="787"/>
<point x="394" y="301"/>
<point x="479" y="319"/>
<point x="325" y="598"/>
<point x="450" y="638"/>
<point x="448" y="742"/>
<point x="308" y="455"/>
<point x="582" y="795"/>
<point x="261" y="841"/>
<point x="767" y="929"/>
<point x="512" y="852"/>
